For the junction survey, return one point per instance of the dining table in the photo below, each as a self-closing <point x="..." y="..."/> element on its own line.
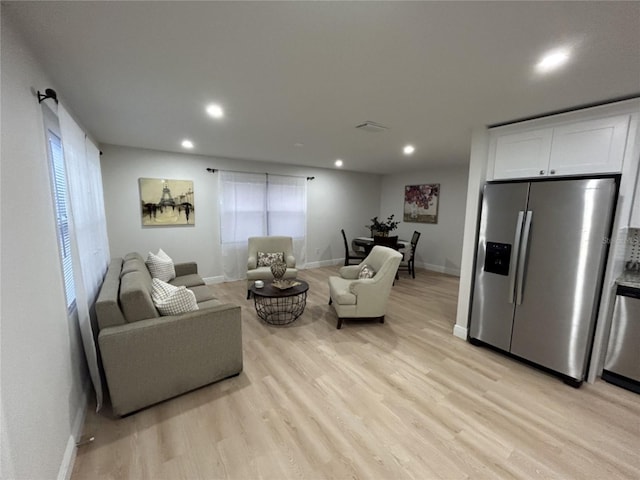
<point x="367" y="243"/>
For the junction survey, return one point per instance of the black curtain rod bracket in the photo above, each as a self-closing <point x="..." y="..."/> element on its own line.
<point x="48" y="93"/>
<point x="310" y="178"/>
<point x="211" y="170"/>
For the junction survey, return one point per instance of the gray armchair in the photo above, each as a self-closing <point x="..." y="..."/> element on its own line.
<point x="269" y="245"/>
<point x="366" y="298"/>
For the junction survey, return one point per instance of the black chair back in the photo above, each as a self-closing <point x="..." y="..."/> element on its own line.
<point x="357" y="257"/>
<point x="391" y="242"/>
<point x="414" y="242"/>
<point x="346" y="244"/>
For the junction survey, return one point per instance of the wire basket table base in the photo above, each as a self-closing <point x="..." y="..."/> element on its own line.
<point x="280" y="307"/>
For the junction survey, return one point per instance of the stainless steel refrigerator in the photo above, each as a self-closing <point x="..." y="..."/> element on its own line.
<point x="541" y="254"/>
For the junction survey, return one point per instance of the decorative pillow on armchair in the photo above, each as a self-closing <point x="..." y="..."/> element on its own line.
<point x="266" y="259"/>
<point x="160" y="266"/>
<point x="366" y="272"/>
<point x="171" y="300"/>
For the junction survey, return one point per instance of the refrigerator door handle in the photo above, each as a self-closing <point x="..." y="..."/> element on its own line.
<point x="516" y="254"/>
<point x="523" y="256"/>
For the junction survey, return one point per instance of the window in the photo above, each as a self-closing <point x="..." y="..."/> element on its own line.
<point x="61" y="203"/>
<point x="258" y="205"/>
<point x="254" y="205"/>
<point x="243" y="206"/>
<point x="286" y="206"/>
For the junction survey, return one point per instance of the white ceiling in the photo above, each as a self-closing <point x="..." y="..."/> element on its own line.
<point x="140" y="73"/>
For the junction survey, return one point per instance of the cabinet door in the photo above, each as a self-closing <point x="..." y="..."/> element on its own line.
<point x="521" y="155"/>
<point x="593" y="146"/>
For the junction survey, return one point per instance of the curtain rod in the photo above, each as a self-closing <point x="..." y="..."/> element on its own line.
<point x="214" y="170"/>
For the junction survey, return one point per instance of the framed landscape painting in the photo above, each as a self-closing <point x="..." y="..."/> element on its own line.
<point x="166" y="202"/>
<point x="421" y="203"/>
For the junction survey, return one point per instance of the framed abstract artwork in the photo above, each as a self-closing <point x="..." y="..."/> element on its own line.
<point x="421" y="203"/>
<point x="166" y="202"/>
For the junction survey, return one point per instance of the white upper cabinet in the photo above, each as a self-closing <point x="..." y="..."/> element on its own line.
<point x="587" y="147"/>
<point x="524" y="154"/>
<point x="593" y="146"/>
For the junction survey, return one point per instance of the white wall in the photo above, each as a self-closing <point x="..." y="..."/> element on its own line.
<point x="335" y="199"/>
<point x="440" y="245"/>
<point x="477" y="177"/>
<point x="42" y="362"/>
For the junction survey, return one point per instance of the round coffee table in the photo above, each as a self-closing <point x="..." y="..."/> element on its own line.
<point x="280" y="307"/>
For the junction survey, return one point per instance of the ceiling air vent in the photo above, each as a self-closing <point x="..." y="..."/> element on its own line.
<point x="372" y="127"/>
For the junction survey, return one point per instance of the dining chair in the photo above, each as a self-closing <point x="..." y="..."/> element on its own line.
<point x="410" y="264"/>
<point x="350" y="255"/>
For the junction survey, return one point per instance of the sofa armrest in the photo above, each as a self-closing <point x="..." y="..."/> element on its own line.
<point x="350" y="272"/>
<point x="186" y="268"/>
<point x="252" y="263"/>
<point x="152" y="360"/>
<point x="290" y="261"/>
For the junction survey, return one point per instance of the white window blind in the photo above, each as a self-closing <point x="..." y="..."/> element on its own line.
<point x="61" y="202"/>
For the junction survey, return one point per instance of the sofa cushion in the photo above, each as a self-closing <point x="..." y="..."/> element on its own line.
<point x="188" y="281"/>
<point x="161" y="266"/>
<point x="170" y="300"/>
<point x="264" y="273"/>
<point x="135" y="297"/>
<point x="108" y="311"/>
<point x="209" y="304"/>
<point x="133" y="265"/>
<point x="340" y="292"/>
<point x="133" y="255"/>
<point x="202" y="293"/>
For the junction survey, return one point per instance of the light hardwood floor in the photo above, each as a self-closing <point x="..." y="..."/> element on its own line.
<point x="403" y="399"/>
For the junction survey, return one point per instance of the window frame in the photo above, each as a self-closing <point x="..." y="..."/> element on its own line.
<point x="61" y="203"/>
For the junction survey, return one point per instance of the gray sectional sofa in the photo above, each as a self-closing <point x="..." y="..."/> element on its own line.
<point x="148" y="358"/>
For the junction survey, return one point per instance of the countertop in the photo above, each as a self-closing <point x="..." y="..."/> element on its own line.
<point x="629" y="279"/>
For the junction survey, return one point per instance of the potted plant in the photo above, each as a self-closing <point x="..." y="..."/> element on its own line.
<point x="382" y="228"/>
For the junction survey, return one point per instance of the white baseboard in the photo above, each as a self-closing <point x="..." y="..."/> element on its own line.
<point x="69" y="457"/>
<point x="325" y="263"/>
<point x="460" y="332"/>
<point x="440" y="269"/>
<point x="212" y="280"/>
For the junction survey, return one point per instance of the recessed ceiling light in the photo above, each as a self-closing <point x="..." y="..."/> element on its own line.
<point x="187" y="144"/>
<point x="553" y="60"/>
<point x="299" y="145"/>
<point x="214" y="110"/>
<point x="408" y="149"/>
<point x="338" y="163"/>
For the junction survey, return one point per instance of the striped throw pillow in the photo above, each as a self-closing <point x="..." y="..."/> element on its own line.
<point x="171" y="300"/>
<point x="161" y="266"/>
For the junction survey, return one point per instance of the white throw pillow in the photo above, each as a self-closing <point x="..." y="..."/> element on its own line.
<point x="171" y="300"/>
<point x="160" y="266"/>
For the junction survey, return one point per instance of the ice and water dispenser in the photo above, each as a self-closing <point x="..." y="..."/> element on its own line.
<point x="497" y="258"/>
